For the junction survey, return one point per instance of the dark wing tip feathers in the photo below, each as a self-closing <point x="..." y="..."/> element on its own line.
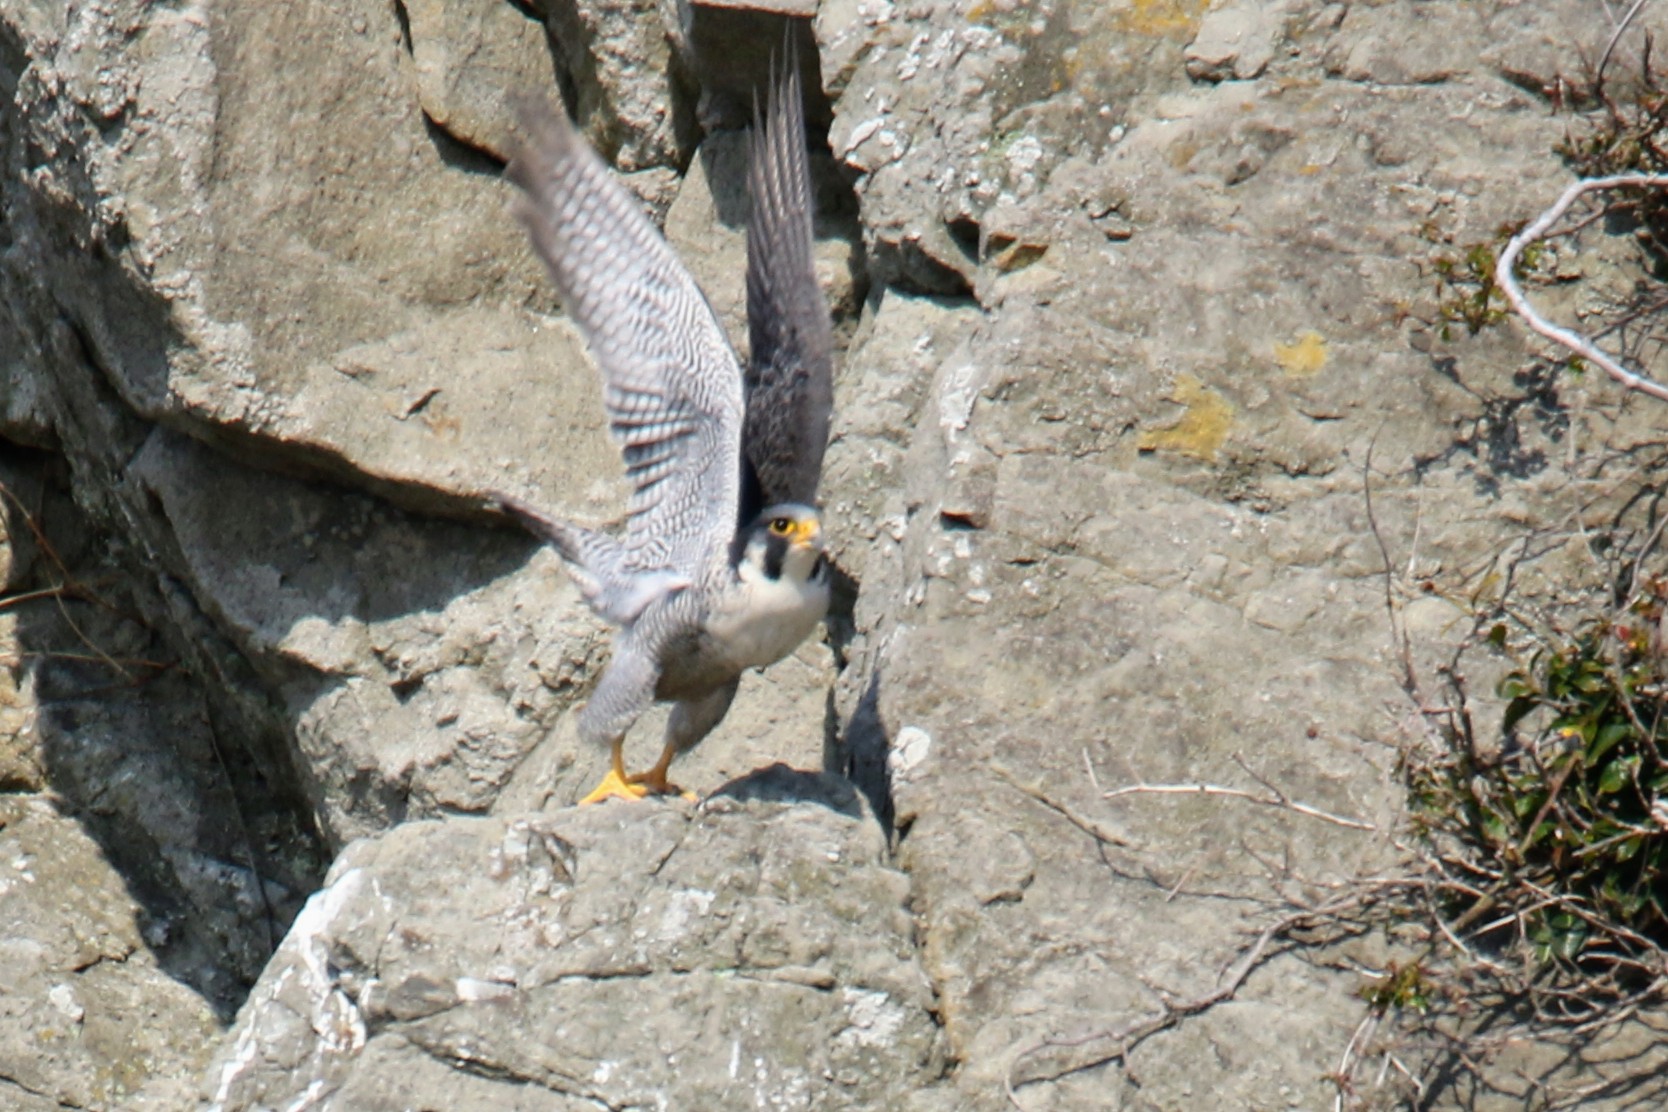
<point x="532" y="518"/>
<point x="789" y="374"/>
<point x="547" y="137"/>
<point x="536" y="522"/>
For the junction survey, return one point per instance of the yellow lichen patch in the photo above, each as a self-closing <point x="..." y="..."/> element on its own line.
<point x="1164" y="17"/>
<point x="1303" y="359"/>
<point x="1203" y="426"/>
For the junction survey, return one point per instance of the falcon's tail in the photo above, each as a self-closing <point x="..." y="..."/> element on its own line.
<point x="596" y="563"/>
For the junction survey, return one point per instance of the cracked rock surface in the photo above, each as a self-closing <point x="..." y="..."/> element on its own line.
<point x="754" y="952"/>
<point x="87" y="1018"/>
<point x="143" y="880"/>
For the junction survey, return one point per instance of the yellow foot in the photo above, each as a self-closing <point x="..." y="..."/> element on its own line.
<point x="614" y="787"/>
<point x="666" y="788"/>
<point x="634" y="788"/>
<point x="654" y="781"/>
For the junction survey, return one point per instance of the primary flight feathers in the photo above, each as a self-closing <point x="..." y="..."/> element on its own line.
<point x="790" y="381"/>
<point x="671" y="382"/>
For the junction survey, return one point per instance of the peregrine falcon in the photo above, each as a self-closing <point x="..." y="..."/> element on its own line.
<point x="721" y="565"/>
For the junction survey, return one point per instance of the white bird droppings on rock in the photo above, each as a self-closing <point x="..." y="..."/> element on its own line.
<point x="909" y="749"/>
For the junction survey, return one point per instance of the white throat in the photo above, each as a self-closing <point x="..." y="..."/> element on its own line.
<point x="761" y="620"/>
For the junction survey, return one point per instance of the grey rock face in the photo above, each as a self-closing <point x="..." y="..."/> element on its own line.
<point x="756" y="951"/>
<point x="617" y="58"/>
<point x="471" y="62"/>
<point x="145" y="877"/>
<point x="1130" y="293"/>
<point x="1107" y="505"/>
<point x="87" y="1019"/>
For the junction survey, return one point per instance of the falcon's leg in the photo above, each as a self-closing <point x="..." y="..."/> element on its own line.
<point x="624" y="692"/>
<point x="692" y="720"/>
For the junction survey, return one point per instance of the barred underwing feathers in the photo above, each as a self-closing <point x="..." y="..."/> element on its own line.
<point x="672" y="383"/>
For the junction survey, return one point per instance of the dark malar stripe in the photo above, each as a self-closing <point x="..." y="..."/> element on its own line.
<point x="776" y="550"/>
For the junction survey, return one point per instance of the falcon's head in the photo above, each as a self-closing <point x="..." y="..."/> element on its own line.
<point x="786" y="541"/>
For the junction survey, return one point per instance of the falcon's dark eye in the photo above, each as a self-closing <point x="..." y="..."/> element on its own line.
<point x="781" y="525"/>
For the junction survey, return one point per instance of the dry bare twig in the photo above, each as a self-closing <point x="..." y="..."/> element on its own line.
<point x="67" y="588"/>
<point x="1297" y="917"/>
<point x="1096" y="829"/>
<point x="1274" y="798"/>
<point x="1172" y="1011"/>
<point x="1616" y="37"/>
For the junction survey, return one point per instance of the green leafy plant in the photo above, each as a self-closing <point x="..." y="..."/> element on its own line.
<point x="1401" y="985"/>
<point x="1565" y="824"/>
<point x="1466" y="290"/>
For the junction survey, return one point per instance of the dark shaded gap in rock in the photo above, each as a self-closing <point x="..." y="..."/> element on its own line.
<point x="909" y="270"/>
<point x="458" y="155"/>
<point x="404" y="19"/>
<point x="123" y="331"/>
<point x="838" y="215"/>
<point x="14" y="59"/>
<point x="572" y="53"/>
<point x="837" y="750"/>
<point x="733" y="50"/>
<point x="211" y="836"/>
<point x="129" y="746"/>
<point x="842" y="612"/>
<point x="966" y="233"/>
<point x="685" y="95"/>
<point x="527" y="10"/>
<point x="566" y="86"/>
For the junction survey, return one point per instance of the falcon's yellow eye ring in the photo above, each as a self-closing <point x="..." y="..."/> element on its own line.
<point x="781" y="526"/>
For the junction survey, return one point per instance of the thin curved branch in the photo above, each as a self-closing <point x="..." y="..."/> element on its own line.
<point x="1616" y="37"/>
<point x="1506" y="280"/>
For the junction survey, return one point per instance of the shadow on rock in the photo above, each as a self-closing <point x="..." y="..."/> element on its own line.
<point x="862" y="754"/>
<point x="202" y="856"/>
<point x="373" y="635"/>
<point x="779" y="783"/>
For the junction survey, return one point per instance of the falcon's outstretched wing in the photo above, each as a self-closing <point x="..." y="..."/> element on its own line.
<point x="790" y="377"/>
<point x="671" y="382"/>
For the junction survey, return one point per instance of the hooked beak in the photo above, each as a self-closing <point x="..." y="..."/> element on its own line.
<point x="805" y="533"/>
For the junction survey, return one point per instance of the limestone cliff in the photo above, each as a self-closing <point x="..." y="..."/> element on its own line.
<point x="1134" y="298"/>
